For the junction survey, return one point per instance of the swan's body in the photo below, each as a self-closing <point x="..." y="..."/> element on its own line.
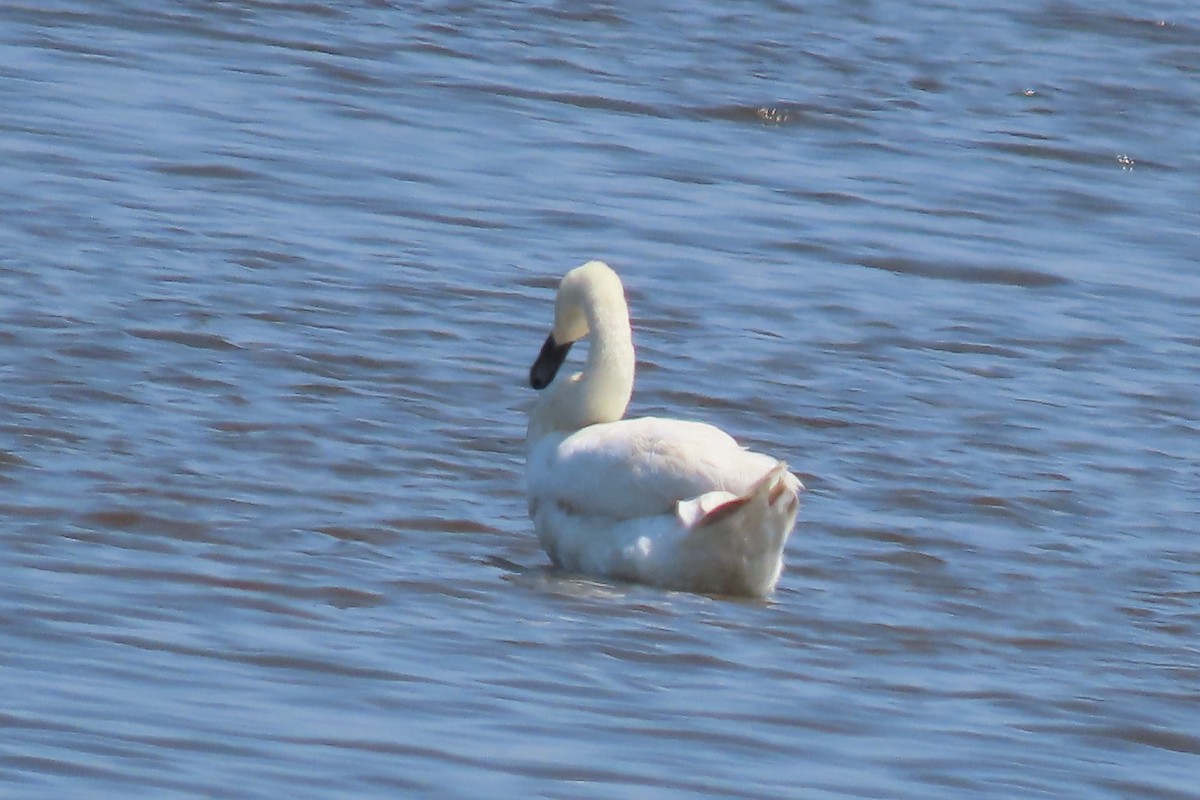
<point x="661" y="501"/>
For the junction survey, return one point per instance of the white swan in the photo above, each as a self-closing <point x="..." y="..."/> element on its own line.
<point x="661" y="501"/>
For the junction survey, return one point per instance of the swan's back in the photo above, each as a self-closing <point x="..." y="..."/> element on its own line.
<point x="631" y="468"/>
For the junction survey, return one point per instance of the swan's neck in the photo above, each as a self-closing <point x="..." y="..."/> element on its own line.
<point x="607" y="379"/>
<point x="601" y="392"/>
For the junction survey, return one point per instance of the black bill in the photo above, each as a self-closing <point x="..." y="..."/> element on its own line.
<point x="548" y="361"/>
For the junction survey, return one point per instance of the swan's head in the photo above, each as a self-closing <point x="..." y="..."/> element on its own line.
<point x="586" y="294"/>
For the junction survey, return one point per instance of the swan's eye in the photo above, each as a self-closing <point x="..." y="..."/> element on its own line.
<point x="548" y="361"/>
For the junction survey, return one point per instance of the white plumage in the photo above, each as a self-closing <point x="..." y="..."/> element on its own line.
<point x="661" y="501"/>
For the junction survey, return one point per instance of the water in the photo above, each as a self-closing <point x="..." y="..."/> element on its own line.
<point x="271" y="278"/>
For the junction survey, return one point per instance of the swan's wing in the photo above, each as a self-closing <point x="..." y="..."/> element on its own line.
<point x="637" y="468"/>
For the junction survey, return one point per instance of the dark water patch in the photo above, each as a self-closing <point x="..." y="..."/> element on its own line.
<point x="25" y="317"/>
<point x="586" y="102"/>
<point x="339" y="597"/>
<point x="598" y="14"/>
<point x="208" y="171"/>
<point x="1077" y="18"/>
<point x="347" y="75"/>
<point x="194" y="339"/>
<point x="833" y="117"/>
<point x="243" y="427"/>
<point x="97" y="351"/>
<point x="681" y="401"/>
<point x="1064" y="154"/>
<point x="293" y="664"/>
<point x="966" y="273"/>
<point x="197" y="745"/>
<point x="439" y="524"/>
<point x="912" y="560"/>
<point x="890" y="536"/>
<point x="577" y="220"/>
<point x="78" y="393"/>
<point x="998" y="506"/>
<point x="974" y="348"/>
<point x="453" y="220"/>
<point x="327" y="390"/>
<point x="265" y="259"/>
<point x="130" y="520"/>
<point x="823" y="197"/>
<point x="10" y="461"/>
<point x="1148" y="788"/>
<point x="316" y="10"/>
<point x="360" y="469"/>
<point x="380" y="536"/>
<point x="47" y="765"/>
<point x="42" y="435"/>
<point x="341" y="365"/>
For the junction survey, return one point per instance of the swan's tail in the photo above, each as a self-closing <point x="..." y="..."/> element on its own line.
<point x="747" y="533"/>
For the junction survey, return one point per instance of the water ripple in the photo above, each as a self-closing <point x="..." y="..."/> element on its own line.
<point x="273" y="279"/>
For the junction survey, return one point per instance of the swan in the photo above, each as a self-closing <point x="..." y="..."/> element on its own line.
<point x="666" y="502"/>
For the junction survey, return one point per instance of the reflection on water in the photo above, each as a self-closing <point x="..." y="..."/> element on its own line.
<point x="271" y="280"/>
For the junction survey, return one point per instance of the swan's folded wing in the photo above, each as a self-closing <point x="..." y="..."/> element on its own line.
<point x="637" y="468"/>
